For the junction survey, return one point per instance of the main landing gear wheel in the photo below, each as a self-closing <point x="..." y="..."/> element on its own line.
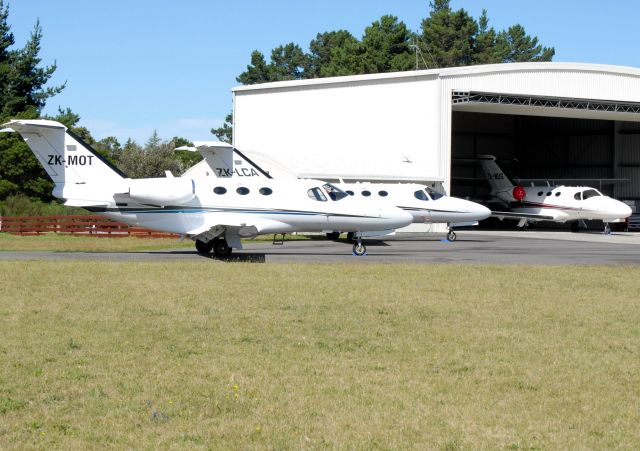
<point x="359" y="249"/>
<point x="204" y="248"/>
<point x="607" y="228"/>
<point x="451" y="236"/>
<point x="333" y="235"/>
<point x="221" y="248"/>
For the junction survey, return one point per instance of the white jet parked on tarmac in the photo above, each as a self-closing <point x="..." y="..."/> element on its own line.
<point x="426" y="205"/>
<point x="214" y="212"/>
<point x="423" y="203"/>
<point x="550" y="203"/>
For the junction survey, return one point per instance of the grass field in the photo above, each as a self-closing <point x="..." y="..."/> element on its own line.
<point x="249" y="356"/>
<point x="68" y="243"/>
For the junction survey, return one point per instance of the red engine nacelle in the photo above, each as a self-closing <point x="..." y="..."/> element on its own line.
<point x="519" y="193"/>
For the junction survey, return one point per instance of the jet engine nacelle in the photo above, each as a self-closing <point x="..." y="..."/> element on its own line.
<point x="519" y="193"/>
<point x="162" y="191"/>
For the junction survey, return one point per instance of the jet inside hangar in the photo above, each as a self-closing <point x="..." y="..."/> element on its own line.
<point x="545" y="149"/>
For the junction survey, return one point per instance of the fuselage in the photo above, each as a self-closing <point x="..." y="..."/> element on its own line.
<point x="263" y="206"/>
<point x="566" y="203"/>
<point x="423" y="203"/>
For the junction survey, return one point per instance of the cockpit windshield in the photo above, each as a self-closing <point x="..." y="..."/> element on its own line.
<point x="334" y="192"/>
<point x="433" y="194"/>
<point x="590" y="193"/>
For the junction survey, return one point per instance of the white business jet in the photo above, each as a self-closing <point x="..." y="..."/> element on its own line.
<point x="550" y="203"/>
<point x="423" y="203"/>
<point x="215" y="212"/>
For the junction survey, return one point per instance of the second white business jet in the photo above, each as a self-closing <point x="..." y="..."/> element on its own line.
<point x="423" y="203"/>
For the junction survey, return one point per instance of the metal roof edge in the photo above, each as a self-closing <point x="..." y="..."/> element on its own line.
<point x="449" y="72"/>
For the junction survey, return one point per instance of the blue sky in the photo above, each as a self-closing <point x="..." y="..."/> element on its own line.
<point x="135" y="66"/>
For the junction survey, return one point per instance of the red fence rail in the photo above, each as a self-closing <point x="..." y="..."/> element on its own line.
<point x="88" y="225"/>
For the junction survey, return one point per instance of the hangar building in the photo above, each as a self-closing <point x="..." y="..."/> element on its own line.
<point x="563" y="122"/>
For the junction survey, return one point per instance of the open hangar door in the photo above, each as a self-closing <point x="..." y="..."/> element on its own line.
<point x="595" y="149"/>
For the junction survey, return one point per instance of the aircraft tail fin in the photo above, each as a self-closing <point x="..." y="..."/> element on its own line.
<point x="497" y="179"/>
<point x="225" y="161"/>
<point x="65" y="157"/>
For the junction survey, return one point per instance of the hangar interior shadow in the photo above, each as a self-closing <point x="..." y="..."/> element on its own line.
<point x="599" y="153"/>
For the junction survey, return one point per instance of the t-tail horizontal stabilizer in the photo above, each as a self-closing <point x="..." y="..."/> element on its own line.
<point x="225" y="161"/>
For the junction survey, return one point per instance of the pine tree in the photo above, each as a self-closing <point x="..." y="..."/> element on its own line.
<point x="448" y="36"/>
<point x="22" y="95"/>
<point x="257" y="72"/>
<point x="386" y="46"/>
<point x="6" y="41"/>
<point x="515" y="45"/>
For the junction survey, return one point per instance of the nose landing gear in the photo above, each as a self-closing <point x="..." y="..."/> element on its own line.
<point x="359" y="249"/>
<point x="451" y="235"/>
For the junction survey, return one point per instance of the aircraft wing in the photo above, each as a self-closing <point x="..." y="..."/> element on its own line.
<point x="233" y="228"/>
<point x="508" y="214"/>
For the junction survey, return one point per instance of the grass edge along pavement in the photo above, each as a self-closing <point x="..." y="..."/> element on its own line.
<point x="312" y="356"/>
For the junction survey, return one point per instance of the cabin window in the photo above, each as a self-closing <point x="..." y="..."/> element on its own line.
<point x="558" y="193"/>
<point x="540" y="193"/>
<point x="219" y="190"/>
<point x="366" y="193"/>
<point x="383" y="193"/>
<point x="334" y="192"/>
<point x="549" y="193"/>
<point x="421" y="195"/>
<point x="433" y="194"/>
<point x="243" y="191"/>
<point x="316" y="194"/>
<point x="590" y="193"/>
<point x="350" y="193"/>
<point x="265" y="191"/>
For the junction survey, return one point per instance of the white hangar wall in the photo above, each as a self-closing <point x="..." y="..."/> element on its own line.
<point x="357" y="128"/>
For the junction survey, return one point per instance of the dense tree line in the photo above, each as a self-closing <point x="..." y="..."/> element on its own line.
<point x="446" y="38"/>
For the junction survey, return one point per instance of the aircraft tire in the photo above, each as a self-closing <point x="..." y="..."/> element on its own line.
<point x="451" y="236"/>
<point x="359" y="249"/>
<point x="203" y="247"/>
<point x="333" y="235"/>
<point x="221" y="248"/>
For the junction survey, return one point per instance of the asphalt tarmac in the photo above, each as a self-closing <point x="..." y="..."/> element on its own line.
<point x="501" y="247"/>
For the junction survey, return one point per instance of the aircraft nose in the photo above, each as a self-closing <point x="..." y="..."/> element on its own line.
<point x="395" y="217"/>
<point x="477" y="212"/>
<point x="623" y="210"/>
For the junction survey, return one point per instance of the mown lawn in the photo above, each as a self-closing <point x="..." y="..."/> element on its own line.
<point x="69" y="243"/>
<point x="250" y="356"/>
